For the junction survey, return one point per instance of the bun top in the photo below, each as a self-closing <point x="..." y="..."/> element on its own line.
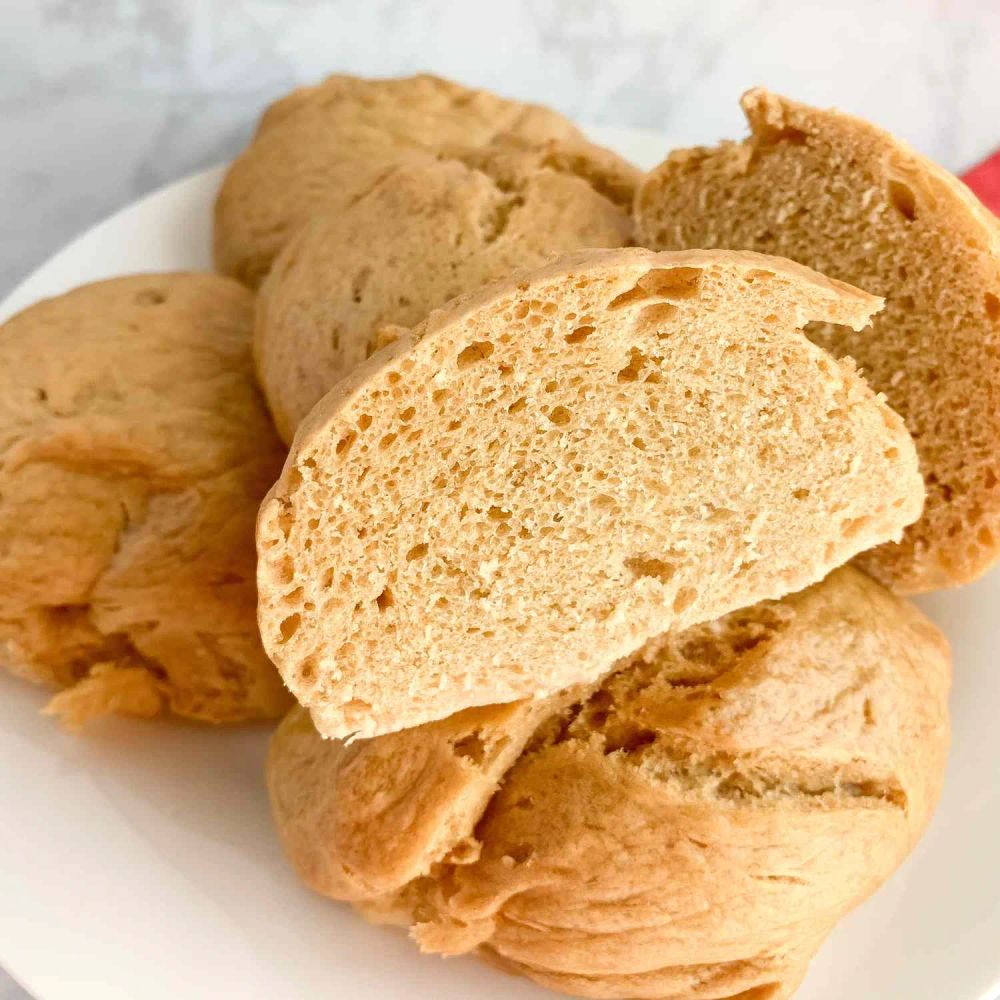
<point x="718" y="801"/>
<point x="134" y="450"/>
<point x="328" y="145"/>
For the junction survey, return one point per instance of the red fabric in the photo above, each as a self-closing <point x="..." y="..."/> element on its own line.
<point x="984" y="179"/>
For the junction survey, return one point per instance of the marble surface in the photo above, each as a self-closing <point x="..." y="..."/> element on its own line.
<point x="104" y="100"/>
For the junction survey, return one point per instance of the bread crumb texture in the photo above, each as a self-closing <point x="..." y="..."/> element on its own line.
<point x="555" y="468"/>
<point x="326" y="146"/>
<point x="693" y="825"/>
<point x="426" y="233"/>
<point x="134" y="450"/>
<point x="835" y="193"/>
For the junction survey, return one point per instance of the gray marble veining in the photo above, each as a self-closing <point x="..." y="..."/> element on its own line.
<point x="104" y="100"/>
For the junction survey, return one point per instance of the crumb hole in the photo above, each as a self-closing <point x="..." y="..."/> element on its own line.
<point x="293" y="597"/>
<point x="285" y="520"/>
<point x="676" y="283"/>
<point x="637" y="361"/>
<point x="560" y="416"/>
<point x="630" y="741"/>
<point x="579" y="335"/>
<point x="477" y="351"/>
<point x="902" y="198"/>
<point x="521" y="853"/>
<point x="417" y="552"/>
<point x="286" y="570"/>
<point x="385" y="600"/>
<point x="289" y="627"/>
<point x="633" y="295"/>
<point x="657" y="314"/>
<point x="471" y="747"/>
<point x="345" y="442"/>
<point x="992" y="306"/>
<point x="645" y="566"/>
<point x="465" y="852"/>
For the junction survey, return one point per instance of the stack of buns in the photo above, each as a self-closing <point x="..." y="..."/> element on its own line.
<point x="585" y="565"/>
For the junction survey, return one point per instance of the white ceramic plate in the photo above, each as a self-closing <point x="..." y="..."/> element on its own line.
<point x="139" y="859"/>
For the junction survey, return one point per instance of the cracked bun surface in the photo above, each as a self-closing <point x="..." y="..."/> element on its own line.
<point x="692" y="826"/>
<point x="428" y="232"/>
<point x="134" y="451"/>
<point x="552" y="470"/>
<point x="326" y="146"/>
<point x="840" y="195"/>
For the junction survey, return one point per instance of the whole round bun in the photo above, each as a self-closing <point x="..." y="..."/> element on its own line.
<point x="134" y="450"/>
<point x="426" y="233"/>
<point x="840" y="195"/>
<point x="550" y="471"/>
<point x="693" y="825"/>
<point x="327" y="145"/>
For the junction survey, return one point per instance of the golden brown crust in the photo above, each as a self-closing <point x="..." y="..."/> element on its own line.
<point x="693" y="826"/>
<point x="134" y="448"/>
<point x="841" y="195"/>
<point x="550" y="470"/>
<point x="330" y="144"/>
